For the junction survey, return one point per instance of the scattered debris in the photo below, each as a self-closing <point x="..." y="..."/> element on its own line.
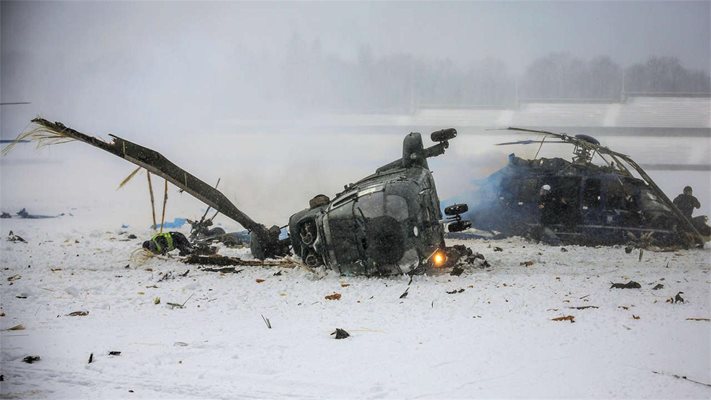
<point x="91" y="358"/>
<point x="225" y="270"/>
<point x="526" y="263"/>
<point x="635" y="316"/>
<point x="345" y="284"/>
<point x="682" y="377"/>
<point x="14" y="277"/>
<point x="455" y="291"/>
<point x="334" y="296"/>
<point x="658" y="286"/>
<point x="698" y="319"/>
<point x="78" y="314"/>
<point x="21" y="296"/>
<point x="340" y="333"/>
<point x="629" y="249"/>
<point x="166" y="276"/>
<point x="678" y="298"/>
<point x="227" y="261"/>
<point x="266" y="321"/>
<point x="174" y="305"/>
<point x="498" y="249"/>
<point x="31" y="359"/>
<point x="184" y="274"/>
<point x="15" y="238"/>
<point x="628" y="285"/>
<point x="156" y="300"/>
<point x="563" y="250"/>
<point x="259" y="280"/>
<point x="404" y="294"/>
<point x="24" y="214"/>
<point x="18" y="327"/>
<point x="114" y="353"/>
<point x="456" y="271"/>
<point x="132" y="236"/>
<point x="5" y="215"/>
<point x="462" y="256"/>
<point x="278" y="273"/>
<point x="583" y="307"/>
<point x="565" y="318"/>
<point x="204" y="249"/>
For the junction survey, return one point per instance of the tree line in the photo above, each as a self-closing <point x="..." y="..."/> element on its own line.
<point x="403" y="82"/>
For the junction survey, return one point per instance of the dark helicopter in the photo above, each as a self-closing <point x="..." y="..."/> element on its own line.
<point x="386" y="223"/>
<point x="615" y="202"/>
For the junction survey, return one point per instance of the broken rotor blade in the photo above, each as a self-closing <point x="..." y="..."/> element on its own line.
<point x="157" y="164"/>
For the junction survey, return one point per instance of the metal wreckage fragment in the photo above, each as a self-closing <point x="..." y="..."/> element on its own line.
<point x="387" y="223"/>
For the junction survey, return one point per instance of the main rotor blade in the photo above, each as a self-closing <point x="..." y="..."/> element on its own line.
<point x="558" y="135"/>
<point x="525" y="142"/>
<point x="157" y="164"/>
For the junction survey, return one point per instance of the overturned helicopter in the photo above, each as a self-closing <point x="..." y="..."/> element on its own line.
<point x="386" y="223"/>
<point x="612" y="203"/>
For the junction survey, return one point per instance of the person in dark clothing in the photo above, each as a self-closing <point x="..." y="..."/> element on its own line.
<point x="163" y="243"/>
<point x="548" y="205"/>
<point x="686" y="202"/>
<point x="550" y="208"/>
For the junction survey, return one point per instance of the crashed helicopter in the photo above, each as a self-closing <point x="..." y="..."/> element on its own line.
<point x="613" y="202"/>
<point x="386" y="223"/>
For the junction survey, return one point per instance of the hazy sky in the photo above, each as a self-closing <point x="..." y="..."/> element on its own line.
<point x="512" y="31"/>
<point x="163" y="74"/>
<point x="139" y="61"/>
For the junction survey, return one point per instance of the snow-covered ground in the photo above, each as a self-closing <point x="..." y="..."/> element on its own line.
<point x="496" y="338"/>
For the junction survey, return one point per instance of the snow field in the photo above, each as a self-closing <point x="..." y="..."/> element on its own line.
<point x="494" y="339"/>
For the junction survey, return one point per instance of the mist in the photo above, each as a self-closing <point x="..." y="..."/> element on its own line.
<point x="287" y="100"/>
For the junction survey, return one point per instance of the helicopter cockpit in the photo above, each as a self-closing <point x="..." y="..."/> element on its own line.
<point x="387" y="223"/>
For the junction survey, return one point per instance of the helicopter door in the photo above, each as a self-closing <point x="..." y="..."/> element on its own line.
<point x="620" y="205"/>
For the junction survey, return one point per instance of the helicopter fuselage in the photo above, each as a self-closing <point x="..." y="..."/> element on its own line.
<point x="594" y="204"/>
<point x="386" y="223"/>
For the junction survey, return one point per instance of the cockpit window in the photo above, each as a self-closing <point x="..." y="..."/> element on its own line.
<point x="378" y="204"/>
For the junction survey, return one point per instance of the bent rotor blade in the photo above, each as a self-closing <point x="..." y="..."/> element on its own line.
<point x="157" y="164"/>
<point x="558" y="135"/>
<point x="525" y="142"/>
